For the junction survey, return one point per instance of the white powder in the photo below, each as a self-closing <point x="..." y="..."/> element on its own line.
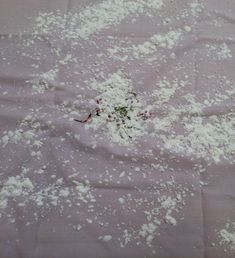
<point x="111" y="12"/>
<point x="166" y="90"/>
<point x="159" y="213"/>
<point x="147" y="231"/>
<point x="196" y="8"/>
<point x="220" y="52"/>
<point x="93" y="18"/>
<point x="120" y="108"/>
<point x="26" y="134"/>
<point x="14" y="187"/>
<point x="168" y="40"/>
<point x="227" y="236"/>
<point x="212" y="138"/>
<point x="40" y="83"/>
<point x="121" y="200"/>
<point x="170" y="220"/>
<point x="84" y="191"/>
<point x="23" y="191"/>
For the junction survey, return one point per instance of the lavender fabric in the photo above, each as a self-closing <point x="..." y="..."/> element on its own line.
<point x="75" y="185"/>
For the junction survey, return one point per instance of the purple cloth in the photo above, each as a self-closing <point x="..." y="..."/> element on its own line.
<point x="112" y="199"/>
